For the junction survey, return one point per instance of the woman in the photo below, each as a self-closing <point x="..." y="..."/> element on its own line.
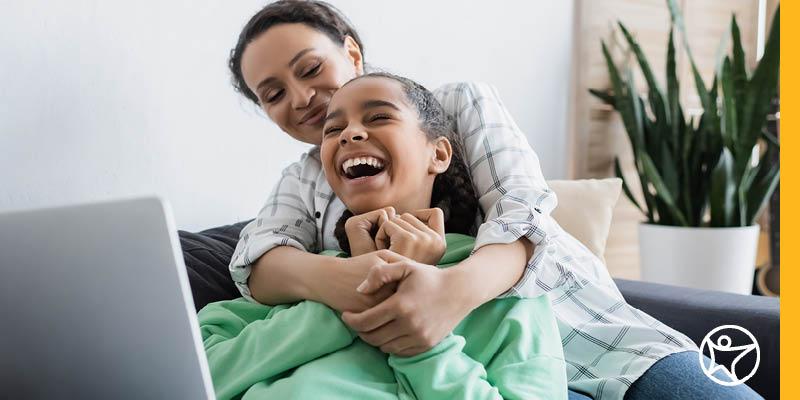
<point x="290" y="58"/>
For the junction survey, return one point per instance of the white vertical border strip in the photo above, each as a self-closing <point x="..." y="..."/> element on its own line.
<point x="761" y="30"/>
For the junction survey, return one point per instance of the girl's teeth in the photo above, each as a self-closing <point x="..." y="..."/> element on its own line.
<point x="361" y="160"/>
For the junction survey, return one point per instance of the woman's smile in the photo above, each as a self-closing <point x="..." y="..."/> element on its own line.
<point x="315" y="116"/>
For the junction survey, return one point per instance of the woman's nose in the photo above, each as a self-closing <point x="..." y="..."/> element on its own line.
<point x="301" y="96"/>
<point x="353" y="134"/>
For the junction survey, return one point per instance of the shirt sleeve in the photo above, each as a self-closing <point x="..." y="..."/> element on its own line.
<point x="507" y="178"/>
<point x="285" y="220"/>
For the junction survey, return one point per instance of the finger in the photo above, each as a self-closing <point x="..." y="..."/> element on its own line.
<point x="433" y="217"/>
<point x="398" y="344"/>
<point x="389" y="229"/>
<point x="383" y="293"/>
<point x="412" y="351"/>
<point x="365" y="222"/>
<point x="417" y="224"/>
<point x="384" y="334"/>
<point x="390" y="256"/>
<point x="372" y="318"/>
<point x="376" y="217"/>
<point x="382" y="274"/>
<point x="405" y="221"/>
<point x="381" y="237"/>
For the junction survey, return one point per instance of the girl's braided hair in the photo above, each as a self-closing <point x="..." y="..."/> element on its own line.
<point x="319" y="15"/>
<point x="452" y="189"/>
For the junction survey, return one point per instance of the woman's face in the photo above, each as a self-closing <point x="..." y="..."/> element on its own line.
<point x="373" y="151"/>
<point x="294" y="70"/>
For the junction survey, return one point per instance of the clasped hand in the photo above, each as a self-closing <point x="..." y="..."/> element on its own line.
<point x="424" y="305"/>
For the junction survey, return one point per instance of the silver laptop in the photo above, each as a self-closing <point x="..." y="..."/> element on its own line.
<point x="95" y="303"/>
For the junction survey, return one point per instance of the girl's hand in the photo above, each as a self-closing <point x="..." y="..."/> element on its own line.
<point x="425" y="308"/>
<point x="360" y="229"/>
<point x="340" y="281"/>
<point x="418" y="235"/>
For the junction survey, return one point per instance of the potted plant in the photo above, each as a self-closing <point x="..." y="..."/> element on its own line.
<point x="704" y="180"/>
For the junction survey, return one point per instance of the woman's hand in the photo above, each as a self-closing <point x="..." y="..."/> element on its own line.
<point x="338" y="283"/>
<point x="426" y="307"/>
<point x="418" y="235"/>
<point x="361" y="229"/>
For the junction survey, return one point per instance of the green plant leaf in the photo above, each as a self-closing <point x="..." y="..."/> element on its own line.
<point x="723" y="191"/>
<point x="770" y="138"/>
<point x="763" y="184"/>
<point x="605" y="96"/>
<point x="655" y="95"/>
<point x="729" y="128"/>
<point x="739" y="70"/>
<point x="677" y="21"/>
<point x="668" y="171"/>
<point x="761" y="88"/>
<point x="673" y="89"/>
<point x="625" y="187"/>
<point x="662" y="192"/>
<point x="624" y="105"/>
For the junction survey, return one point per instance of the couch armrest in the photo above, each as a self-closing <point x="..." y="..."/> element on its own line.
<point x="696" y="312"/>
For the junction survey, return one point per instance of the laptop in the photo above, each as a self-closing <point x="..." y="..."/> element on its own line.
<point x="95" y="303"/>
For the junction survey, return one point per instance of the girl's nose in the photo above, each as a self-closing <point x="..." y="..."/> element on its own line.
<point x="353" y="134"/>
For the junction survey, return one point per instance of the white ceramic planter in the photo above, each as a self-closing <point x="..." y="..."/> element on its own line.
<point x="704" y="258"/>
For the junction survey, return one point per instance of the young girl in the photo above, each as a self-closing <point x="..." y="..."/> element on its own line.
<point x="387" y="154"/>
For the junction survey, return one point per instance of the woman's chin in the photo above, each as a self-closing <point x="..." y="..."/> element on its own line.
<point x="304" y="134"/>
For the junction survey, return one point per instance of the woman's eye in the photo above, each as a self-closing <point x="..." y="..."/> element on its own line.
<point x="312" y="71"/>
<point x="273" y="96"/>
<point x="378" y="117"/>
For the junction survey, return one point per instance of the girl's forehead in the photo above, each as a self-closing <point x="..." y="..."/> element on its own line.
<point x="364" y="89"/>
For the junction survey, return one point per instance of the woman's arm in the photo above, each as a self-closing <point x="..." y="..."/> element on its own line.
<point x="508" y="180"/>
<point x="284" y="221"/>
<point x="477" y="285"/>
<point x="286" y="275"/>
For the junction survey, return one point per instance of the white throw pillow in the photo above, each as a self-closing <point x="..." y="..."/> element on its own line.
<point x="585" y="208"/>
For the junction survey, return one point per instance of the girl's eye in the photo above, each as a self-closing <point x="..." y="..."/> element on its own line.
<point x="332" y="129"/>
<point x="273" y="96"/>
<point x="312" y="71"/>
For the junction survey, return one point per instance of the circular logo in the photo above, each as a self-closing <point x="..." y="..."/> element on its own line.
<point x="725" y="348"/>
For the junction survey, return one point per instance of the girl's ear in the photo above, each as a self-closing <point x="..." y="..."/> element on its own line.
<point x="354" y="53"/>
<point x="442" y="154"/>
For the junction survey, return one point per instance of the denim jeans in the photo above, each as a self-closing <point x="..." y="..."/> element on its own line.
<point x="677" y="377"/>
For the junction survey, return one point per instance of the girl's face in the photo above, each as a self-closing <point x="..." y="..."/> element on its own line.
<point x="373" y="151"/>
<point x="294" y="70"/>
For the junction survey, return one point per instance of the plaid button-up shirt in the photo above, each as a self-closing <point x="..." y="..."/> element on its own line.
<point x="607" y="343"/>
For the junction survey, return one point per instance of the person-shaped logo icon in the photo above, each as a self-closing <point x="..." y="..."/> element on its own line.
<point x="725" y="348"/>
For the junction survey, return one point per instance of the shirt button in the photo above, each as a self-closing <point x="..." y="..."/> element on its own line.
<point x="317" y="214"/>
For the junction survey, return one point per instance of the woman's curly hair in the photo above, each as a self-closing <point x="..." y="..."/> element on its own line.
<point x="452" y="190"/>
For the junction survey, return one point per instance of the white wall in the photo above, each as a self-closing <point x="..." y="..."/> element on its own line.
<point x="104" y="99"/>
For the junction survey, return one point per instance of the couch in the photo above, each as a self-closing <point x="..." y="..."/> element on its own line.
<point x="691" y="311"/>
